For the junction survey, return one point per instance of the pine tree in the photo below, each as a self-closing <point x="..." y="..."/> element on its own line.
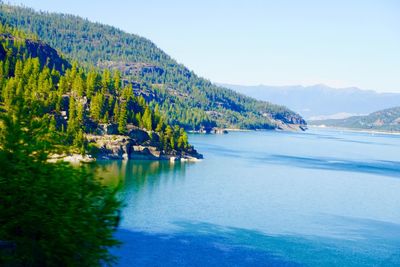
<point x="96" y="106"/>
<point x="139" y="120"/>
<point x="116" y="112"/>
<point x="160" y="125"/>
<point x="147" y="119"/>
<point x="117" y="81"/>
<point x="72" y="122"/>
<point x="91" y="83"/>
<point x="172" y="142"/>
<point x="62" y="85"/>
<point x="106" y="82"/>
<point x="168" y="138"/>
<point x="122" y="120"/>
<point x="78" y="86"/>
<point x="105" y="117"/>
<point x="182" y="140"/>
<point x="18" y="69"/>
<point x="80" y="114"/>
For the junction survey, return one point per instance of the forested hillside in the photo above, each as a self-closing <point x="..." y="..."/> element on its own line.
<point x="383" y="120"/>
<point x="75" y="102"/>
<point x="181" y="96"/>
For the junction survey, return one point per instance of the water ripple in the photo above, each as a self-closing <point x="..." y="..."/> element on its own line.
<point x="387" y="168"/>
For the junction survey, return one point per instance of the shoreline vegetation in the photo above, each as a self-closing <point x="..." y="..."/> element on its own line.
<point x="51" y="214"/>
<point x="93" y="112"/>
<point x="121" y="147"/>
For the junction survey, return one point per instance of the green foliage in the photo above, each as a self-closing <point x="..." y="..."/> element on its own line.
<point x="56" y="214"/>
<point x="123" y="115"/>
<point x="183" y="98"/>
<point x="147" y="121"/>
<point x="53" y="214"/>
<point x="87" y="97"/>
<point x="97" y="105"/>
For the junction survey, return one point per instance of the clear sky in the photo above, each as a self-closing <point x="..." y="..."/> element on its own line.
<point x="275" y="42"/>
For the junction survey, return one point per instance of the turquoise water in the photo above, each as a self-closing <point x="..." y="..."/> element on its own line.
<point x="320" y="198"/>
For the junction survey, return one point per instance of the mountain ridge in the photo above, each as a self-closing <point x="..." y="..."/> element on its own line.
<point x="321" y="100"/>
<point x="381" y="120"/>
<point x="183" y="97"/>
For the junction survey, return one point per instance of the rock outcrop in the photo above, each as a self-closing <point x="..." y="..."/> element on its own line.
<point x="137" y="144"/>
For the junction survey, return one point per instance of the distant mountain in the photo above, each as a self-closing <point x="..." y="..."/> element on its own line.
<point x="183" y="98"/>
<point x="383" y="120"/>
<point x="321" y="101"/>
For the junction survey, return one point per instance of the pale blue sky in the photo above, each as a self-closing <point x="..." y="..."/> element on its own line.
<point x="339" y="42"/>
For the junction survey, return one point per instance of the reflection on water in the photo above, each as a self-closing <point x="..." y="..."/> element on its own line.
<point x="320" y="198"/>
<point x="382" y="167"/>
<point x="137" y="174"/>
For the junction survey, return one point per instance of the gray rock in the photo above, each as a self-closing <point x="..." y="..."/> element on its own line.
<point x="138" y="135"/>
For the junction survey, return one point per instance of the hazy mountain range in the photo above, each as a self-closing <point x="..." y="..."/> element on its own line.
<point x="321" y="101"/>
<point x="382" y="120"/>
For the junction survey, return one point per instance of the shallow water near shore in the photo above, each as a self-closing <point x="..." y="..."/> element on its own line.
<point x="319" y="198"/>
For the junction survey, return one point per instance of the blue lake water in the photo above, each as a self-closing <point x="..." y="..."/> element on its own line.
<point x="319" y="198"/>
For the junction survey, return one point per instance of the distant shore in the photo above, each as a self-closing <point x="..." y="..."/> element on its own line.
<point x="355" y="130"/>
<point x="289" y="128"/>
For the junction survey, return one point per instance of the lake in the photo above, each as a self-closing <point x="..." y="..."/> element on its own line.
<point x="319" y="198"/>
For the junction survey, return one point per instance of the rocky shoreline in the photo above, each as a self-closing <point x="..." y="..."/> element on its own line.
<point x="134" y="147"/>
<point x="137" y="144"/>
<point x="279" y="127"/>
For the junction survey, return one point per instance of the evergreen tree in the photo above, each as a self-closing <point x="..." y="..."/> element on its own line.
<point x="122" y="118"/>
<point x="78" y="86"/>
<point x="91" y="83"/>
<point x="117" y="81"/>
<point x="106" y="82"/>
<point x="147" y="119"/>
<point x="160" y="126"/>
<point x="96" y="106"/>
<point x="116" y="112"/>
<point x="68" y="217"/>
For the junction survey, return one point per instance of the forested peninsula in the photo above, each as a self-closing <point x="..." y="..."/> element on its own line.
<point x="178" y="94"/>
<point x="92" y="112"/>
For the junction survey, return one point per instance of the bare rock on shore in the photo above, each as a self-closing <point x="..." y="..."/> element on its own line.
<point x="137" y="144"/>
